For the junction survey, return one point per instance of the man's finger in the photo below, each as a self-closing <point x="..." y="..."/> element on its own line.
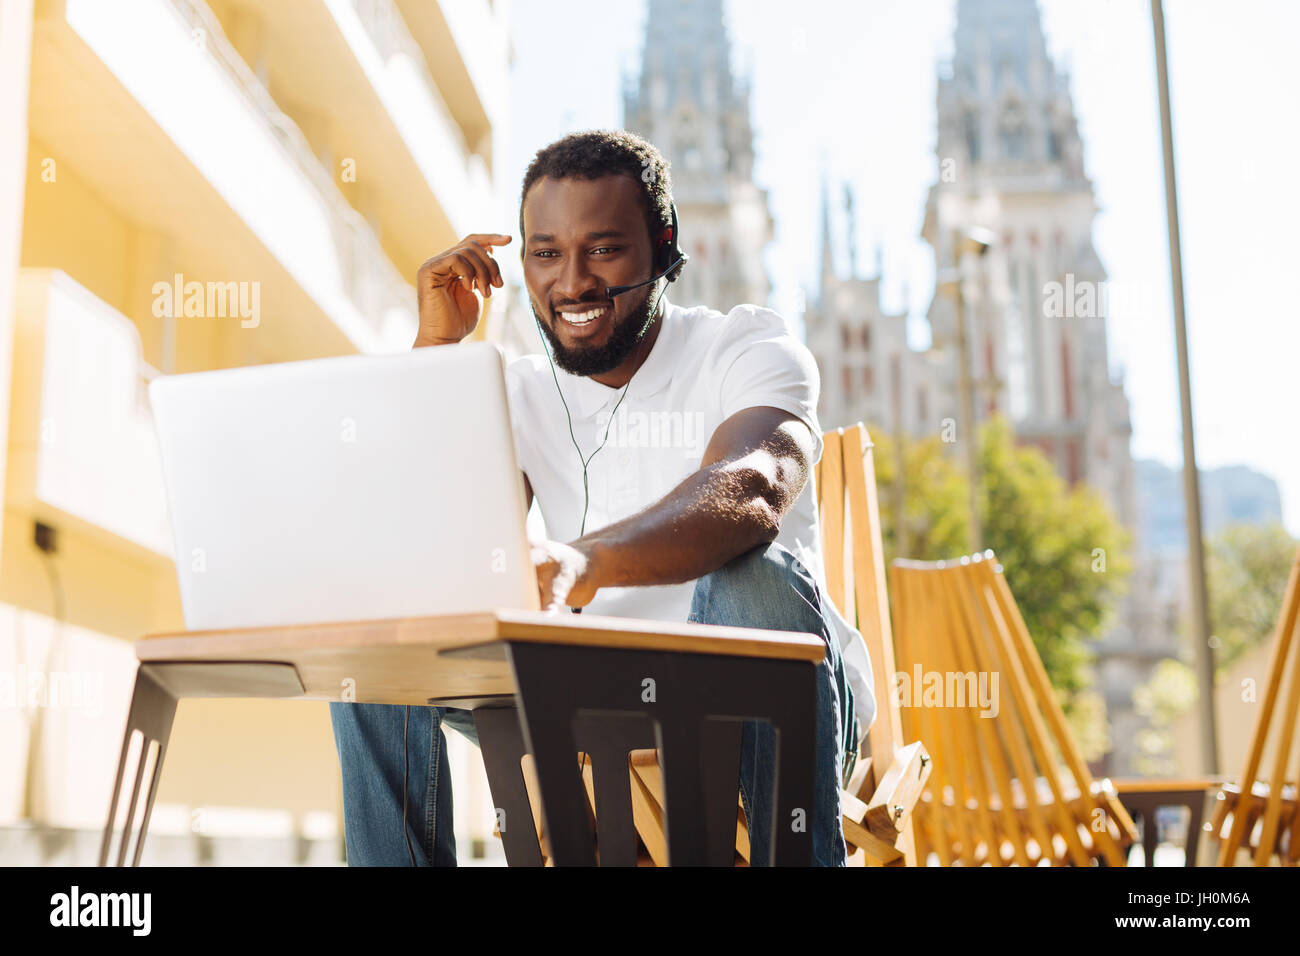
<point x="486" y="262"/>
<point x="488" y="238"/>
<point x="479" y="277"/>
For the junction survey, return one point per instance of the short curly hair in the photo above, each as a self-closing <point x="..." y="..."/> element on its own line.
<point x="591" y="154"/>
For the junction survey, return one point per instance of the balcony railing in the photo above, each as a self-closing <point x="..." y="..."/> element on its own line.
<point x="82" y="445"/>
<point x="368" y="276"/>
<point x="400" y="74"/>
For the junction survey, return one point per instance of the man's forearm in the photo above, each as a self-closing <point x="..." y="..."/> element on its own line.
<point x="714" y="515"/>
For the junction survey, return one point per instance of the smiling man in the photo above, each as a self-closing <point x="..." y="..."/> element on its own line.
<point x="713" y="524"/>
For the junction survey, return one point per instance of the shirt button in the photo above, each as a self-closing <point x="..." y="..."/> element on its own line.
<point x="624" y="459"/>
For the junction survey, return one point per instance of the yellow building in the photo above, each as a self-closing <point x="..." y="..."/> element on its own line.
<point x="293" y="163"/>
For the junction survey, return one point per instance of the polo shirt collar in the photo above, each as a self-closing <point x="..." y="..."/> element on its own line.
<point x="587" y="397"/>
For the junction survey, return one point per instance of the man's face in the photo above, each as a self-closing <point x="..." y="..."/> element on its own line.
<point x="580" y="237"/>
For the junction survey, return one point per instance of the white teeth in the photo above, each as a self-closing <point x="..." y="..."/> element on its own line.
<point x="582" y="318"/>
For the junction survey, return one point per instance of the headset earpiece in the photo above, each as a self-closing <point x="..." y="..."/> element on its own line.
<point x="669" y="251"/>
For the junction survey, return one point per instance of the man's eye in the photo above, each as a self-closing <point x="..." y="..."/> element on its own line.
<point x="605" y="249"/>
<point x="543" y="253"/>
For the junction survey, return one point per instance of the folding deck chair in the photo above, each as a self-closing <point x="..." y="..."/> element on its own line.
<point x="999" y="794"/>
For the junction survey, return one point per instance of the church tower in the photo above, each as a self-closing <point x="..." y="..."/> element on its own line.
<point x="1011" y="161"/>
<point x="687" y="102"/>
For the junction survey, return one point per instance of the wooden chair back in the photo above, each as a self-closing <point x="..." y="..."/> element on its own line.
<point x="1267" y="822"/>
<point x="1010" y="783"/>
<point x="854" y="562"/>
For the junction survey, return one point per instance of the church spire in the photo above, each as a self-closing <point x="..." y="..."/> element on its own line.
<point x="827" y="253"/>
<point x="851" y="228"/>
<point x="1006" y="107"/>
<point x="687" y="101"/>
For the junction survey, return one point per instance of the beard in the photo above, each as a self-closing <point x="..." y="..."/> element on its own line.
<point x="625" y="336"/>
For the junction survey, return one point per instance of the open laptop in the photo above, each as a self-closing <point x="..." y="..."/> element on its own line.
<point x="342" y="489"/>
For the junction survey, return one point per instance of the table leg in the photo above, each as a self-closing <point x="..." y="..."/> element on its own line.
<point x="679" y="692"/>
<point x="796" y="727"/>
<point x="607" y="740"/>
<point x="720" y="756"/>
<point x="1150" y="831"/>
<point x="1196" y="806"/>
<point x="502" y="744"/>
<point x="152" y="711"/>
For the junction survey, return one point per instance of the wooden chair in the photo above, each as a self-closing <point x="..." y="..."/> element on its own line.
<point x="887" y="782"/>
<point x="999" y="794"/>
<point x="1267" y="823"/>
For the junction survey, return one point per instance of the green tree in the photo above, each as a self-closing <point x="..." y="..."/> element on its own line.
<point x="1169" y="692"/>
<point x="1246" y="572"/>
<point x="1063" y="553"/>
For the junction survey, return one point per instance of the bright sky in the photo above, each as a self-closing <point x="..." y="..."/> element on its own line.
<point x="854" y="82"/>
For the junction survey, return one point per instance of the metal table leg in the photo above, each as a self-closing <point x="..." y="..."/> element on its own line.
<point x="684" y="695"/>
<point x="152" y="711"/>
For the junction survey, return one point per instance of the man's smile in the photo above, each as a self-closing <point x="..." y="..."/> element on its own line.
<point x="586" y="320"/>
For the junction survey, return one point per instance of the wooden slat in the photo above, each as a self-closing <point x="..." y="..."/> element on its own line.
<point x="832" y="516"/>
<point x="976" y="784"/>
<point x="1281" y="651"/>
<point x="1149" y="785"/>
<point x="869" y="582"/>
<point x="1051" y="708"/>
<point x="990" y="654"/>
<point x="648" y="816"/>
<point x="1268" y="839"/>
<point x="947" y="754"/>
<point x="1032" y="695"/>
<point x="922" y="722"/>
<point x="970" y="660"/>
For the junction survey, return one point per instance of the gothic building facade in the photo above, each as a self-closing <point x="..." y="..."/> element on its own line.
<point x="688" y="103"/>
<point x="1010" y="162"/>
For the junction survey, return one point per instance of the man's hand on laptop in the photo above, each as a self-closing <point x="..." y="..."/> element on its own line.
<point x="445" y="285"/>
<point x="563" y="576"/>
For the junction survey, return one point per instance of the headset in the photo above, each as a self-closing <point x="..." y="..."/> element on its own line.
<point x="668" y="256"/>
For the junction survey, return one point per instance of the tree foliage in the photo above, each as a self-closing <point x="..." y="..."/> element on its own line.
<point x="1246" y="572"/>
<point x="1064" y="555"/>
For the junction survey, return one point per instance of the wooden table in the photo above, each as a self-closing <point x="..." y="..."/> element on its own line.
<point x="553" y="685"/>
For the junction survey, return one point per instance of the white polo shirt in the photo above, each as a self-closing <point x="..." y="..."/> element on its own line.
<point x="704" y="367"/>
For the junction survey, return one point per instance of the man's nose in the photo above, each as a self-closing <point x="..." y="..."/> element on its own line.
<point x="576" y="282"/>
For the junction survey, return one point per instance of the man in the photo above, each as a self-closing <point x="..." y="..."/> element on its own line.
<point x="669" y="450"/>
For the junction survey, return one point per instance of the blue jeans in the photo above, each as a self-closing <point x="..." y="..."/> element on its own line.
<point x="765" y="588"/>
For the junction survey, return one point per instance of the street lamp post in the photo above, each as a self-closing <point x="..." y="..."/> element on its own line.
<point x="1191" y="482"/>
<point x="972" y="241"/>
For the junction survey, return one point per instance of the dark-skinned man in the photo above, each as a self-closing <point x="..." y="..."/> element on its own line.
<point x="700" y="432"/>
